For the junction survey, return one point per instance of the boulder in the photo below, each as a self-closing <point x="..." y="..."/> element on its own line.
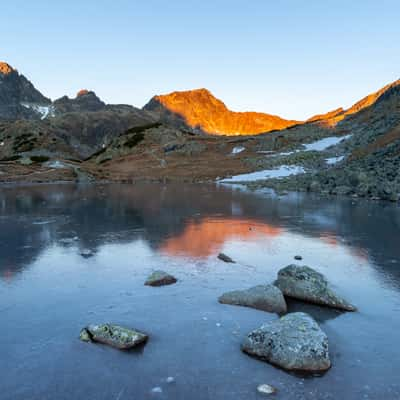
<point x="160" y="278"/>
<point x="263" y="297"/>
<point x="113" y="335"/>
<point x="295" y="342"/>
<point x="303" y="283"/>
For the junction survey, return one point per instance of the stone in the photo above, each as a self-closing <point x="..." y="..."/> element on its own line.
<point x="263" y="297"/>
<point x="304" y="283"/>
<point x="25" y="161"/>
<point x="160" y="278"/>
<point x="87" y="253"/>
<point x="113" y="335"/>
<point x="295" y="342"/>
<point x="225" y="258"/>
<point x="298" y="258"/>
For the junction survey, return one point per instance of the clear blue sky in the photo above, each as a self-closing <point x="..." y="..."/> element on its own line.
<point x="294" y="58"/>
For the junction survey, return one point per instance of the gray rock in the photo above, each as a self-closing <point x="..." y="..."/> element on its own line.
<point x="225" y="258"/>
<point x="25" y="161"/>
<point x="263" y="297"/>
<point x="113" y="335"/>
<point x="87" y="253"/>
<point x="160" y="278"/>
<point x="298" y="258"/>
<point x="303" y="283"/>
<point x="295" y="342"/>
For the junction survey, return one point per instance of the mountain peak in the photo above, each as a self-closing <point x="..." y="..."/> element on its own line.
<point x="5" y="68"/>
<point x="201" y="111"/>
<point x="82" y="92"/>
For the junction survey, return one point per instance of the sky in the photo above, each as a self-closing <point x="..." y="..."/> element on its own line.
<point x="293" y="58"/>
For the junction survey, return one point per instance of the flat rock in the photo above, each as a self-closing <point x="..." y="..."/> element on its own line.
<point x="225" y="258"/>
<point x="263" y="297"/>
<point x="295" y="342"/>
<point x="160" y="278"/>
<point x="113" y="335"/>
<point x="304" y="283"/>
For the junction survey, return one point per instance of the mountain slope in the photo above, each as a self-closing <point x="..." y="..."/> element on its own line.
<point x="332" y="118"/>
<point x="200" y="111"/>
<point x="365" y="163"/>
<point x="19" y="99"/>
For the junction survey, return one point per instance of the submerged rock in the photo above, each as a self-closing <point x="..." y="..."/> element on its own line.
<point x="263" y="297"/>
<point x="303" y="283"/>
<point x="295" y="342"/>
<point x="225" y="258"/>
<point x="298" y="257"/>
<point x="160" y="278"/>
<point x="113" y="335"/>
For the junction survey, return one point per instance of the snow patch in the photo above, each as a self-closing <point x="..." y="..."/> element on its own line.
<point x="56" y="164"/>
<point x="323" y="144"/>
<point x="238" y="149"/>
<point x="334" y="160"/>
<point x="44" y="111"/>
<point x="280" y="172"/>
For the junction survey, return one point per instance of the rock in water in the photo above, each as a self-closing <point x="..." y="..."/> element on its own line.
<point x="263" y="297"/>
<point x="298" y="257"/>
<point x="225" y="258"/>
<point x="113" y="335"/>
<point x="160" y="278"/>
<point x="295" y="342"/>
<point x="304" y="283"/>
<point x="86" y="253"/>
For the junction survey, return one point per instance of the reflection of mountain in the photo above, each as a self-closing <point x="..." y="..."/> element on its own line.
<point x="206" y="237"/>
<point x="193" y="220"/>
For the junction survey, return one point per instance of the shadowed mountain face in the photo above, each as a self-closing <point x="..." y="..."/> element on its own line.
<point x="200" y="111"/>
<point x="84" y="101"/>
<point x="32" y="125"/>
<point x="17" y="95"/>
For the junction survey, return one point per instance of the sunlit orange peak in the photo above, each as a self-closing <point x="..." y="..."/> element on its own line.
<point x="201" y="110"/>
<point x="82" y="92"/>
<point x="5" y="68"/>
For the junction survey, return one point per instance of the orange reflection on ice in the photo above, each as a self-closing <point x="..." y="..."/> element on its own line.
<point x="206" y="237"/>
<point x="329" y="239"/>
<point x="357" y="252"/>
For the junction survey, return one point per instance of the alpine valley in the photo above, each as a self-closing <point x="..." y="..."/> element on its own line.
<point x="192" y="136"/>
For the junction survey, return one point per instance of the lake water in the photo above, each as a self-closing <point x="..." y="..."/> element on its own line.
<point x="49" y="291"/>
